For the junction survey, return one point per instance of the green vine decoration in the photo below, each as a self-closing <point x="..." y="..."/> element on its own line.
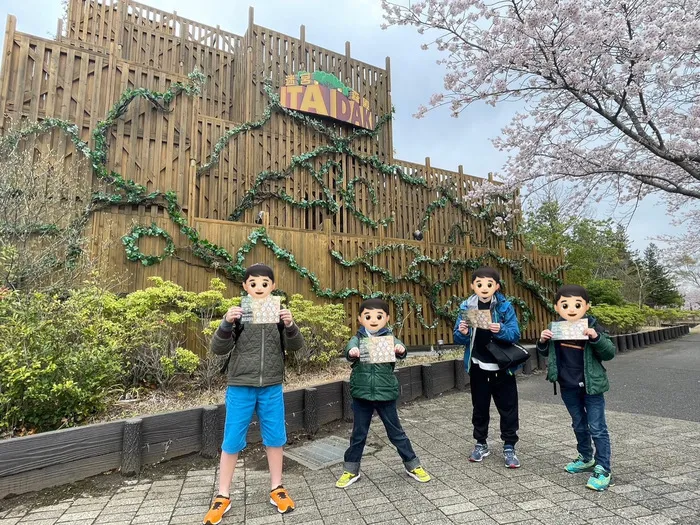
<point x="134" y="254"/>
<point x="338" y="146"/>
<point x="214" y="256"/>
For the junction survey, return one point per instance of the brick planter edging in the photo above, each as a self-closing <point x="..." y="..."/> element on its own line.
<point x="54" y="458"/>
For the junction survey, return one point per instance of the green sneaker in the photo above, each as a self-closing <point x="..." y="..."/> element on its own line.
<point x="419" y="474"/>
<point x="579" y="465"/>
<point x="600" y="479"/>
<point x="347" y="479"/>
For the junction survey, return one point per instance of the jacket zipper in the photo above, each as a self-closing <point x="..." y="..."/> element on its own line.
<point x="262" y="355"/>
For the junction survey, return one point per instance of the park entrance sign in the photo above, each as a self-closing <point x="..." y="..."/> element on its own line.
<point x="322" y="94"/>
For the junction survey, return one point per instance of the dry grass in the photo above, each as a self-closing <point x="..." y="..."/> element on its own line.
<point x="182" y="396"/>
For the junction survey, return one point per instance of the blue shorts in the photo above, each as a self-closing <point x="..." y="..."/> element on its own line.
<point x="241" y="402"/>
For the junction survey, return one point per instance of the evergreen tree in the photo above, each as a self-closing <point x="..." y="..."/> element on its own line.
<point x="660" y="288"/>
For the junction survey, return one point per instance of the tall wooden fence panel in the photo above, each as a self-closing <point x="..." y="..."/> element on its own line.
<point x="106" y="47"/>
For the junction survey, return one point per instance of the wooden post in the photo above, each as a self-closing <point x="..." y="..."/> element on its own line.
<point x="131" y="447"/>
<point x="311" y="423"/>
<point x="428" y="380"/>
<point x="10" y="28"/>
<point x="326" y="267"/>
<point x="191" y="194"/>
<point x="210" y="426"/>
<point x="59" y="30"/>
<point x="302" y="47"/>
<point x="347" y="402"/>
<point x="461" y="377"/>
<point x="348" y="69"/>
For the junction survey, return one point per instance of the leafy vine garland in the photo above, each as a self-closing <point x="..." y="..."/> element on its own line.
<point x="217" y="257"/>
<point x="133" y="253"/>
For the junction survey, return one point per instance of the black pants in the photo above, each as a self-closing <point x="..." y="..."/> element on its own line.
<point x="502" y="387"/>
<point x="363" y="411"/>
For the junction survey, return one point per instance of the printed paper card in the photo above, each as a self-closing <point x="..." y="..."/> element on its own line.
<point x="477" y="318"/>
<point x="569" y="330"/>
<point x="260" y="311"/>
<point x="377" y="349"/>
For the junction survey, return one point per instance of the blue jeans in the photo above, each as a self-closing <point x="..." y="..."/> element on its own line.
<point x="588" y="421"/>
<point x="362" y="417"/>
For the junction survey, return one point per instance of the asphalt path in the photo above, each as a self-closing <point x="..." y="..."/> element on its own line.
<point x="659" y="380"/>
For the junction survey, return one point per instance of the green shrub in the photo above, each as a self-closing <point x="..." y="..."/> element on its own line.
<point x="324" y="329"/>
<point x="620" y="319"/>
<point x="155" y="322"/>
<point x="59" y="359"/>
<point x="605" y="291"/>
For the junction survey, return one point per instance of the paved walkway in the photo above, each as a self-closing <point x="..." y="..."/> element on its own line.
<point x="654" y="463"/>
<point x="670" y="370"/>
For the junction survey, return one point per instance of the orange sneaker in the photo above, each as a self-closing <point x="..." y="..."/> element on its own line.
<point x="219" y="507"/>
<point x="279" y="497"/>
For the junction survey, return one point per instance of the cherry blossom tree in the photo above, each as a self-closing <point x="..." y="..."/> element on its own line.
<point x="610" y="89"/>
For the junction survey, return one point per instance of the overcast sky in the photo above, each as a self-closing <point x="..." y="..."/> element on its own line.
<point x="415" y="76"/>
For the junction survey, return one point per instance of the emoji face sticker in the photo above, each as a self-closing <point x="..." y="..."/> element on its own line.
<point x="485" y="287"/>
<point x="374" y="319"/>
<point x="572" y="308"/>
<point x="258" y="287"/>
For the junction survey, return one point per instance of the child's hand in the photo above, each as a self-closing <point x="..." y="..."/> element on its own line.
<point x="234" y="314"/>
<point x="495" y="327"/>
<point x="399" y="350"/>
<point x="286" y="316"/>
<point x="546" y="335"/>
<point x="591" y="333"/>
<point x="354" y="353"/>
<point x="463" y="328"/>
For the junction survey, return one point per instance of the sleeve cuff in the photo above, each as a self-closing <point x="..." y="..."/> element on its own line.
<point x="226" y="326"/>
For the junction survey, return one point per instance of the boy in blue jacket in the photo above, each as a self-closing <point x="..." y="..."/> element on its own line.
<point x="486" y="379"/>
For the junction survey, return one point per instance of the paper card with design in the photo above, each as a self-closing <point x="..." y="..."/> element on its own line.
<point x="260" y="311"/>
<point x="569" y="330"/>
<point x="477" y="318"/>
<point x="377" y="349"/>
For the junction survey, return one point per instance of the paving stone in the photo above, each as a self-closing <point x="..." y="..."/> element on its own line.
<point x="510" y="517"/>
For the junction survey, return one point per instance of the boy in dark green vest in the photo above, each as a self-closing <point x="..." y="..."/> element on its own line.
<point x="575" y="362"/>
<point x="374" y="387"/>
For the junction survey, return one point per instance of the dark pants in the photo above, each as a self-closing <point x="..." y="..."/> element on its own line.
<point x="588" y="421"/>
<point x="363" y="411"/>
<point x="502" y="387"/>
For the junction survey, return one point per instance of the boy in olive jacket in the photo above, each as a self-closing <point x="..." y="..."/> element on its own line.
<point x="255" y="373"/>
<point x="374" y="386"/>
<point x="577" y="365"/>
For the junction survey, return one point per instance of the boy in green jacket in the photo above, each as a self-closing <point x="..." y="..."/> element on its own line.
<point x="577" y="365"/>
<point x="374" y="386"/>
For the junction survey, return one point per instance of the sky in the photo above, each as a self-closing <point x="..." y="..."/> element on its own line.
<point x="415" y="75"/>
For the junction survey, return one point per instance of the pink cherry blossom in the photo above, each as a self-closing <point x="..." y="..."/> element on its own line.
<point x="610" y="90"/>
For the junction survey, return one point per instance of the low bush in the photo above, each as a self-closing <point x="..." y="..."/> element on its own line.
<point x="325" y="331"/>
<point x="64" y="358"/>
<point x="59" y="359"/>
<point x="620" y="319"/>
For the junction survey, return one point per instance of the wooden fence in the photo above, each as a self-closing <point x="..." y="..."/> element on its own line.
<point x="35" y="462"/>
<point x="108" y="46"/>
